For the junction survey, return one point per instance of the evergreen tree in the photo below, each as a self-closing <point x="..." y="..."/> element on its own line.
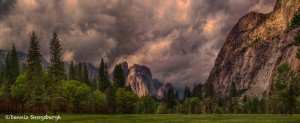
<point x="106" y="71"/>
<point x="170" y="99"/>
<point x="286" y="87"/>
<point x="35" y="92"/>
<point x="56" y="73"/>
<point x="210" y="95"/>
<point x="103" y="77"/>
<point x="118" y="77"/>
<point x="11" y="71"/>
<point x="86" y="74"/>
<point x="232" y="98"/>
<point x="233" y="91"/>
<point x="14" y="66"/>
<point x="295" y="20"/>
<point x="177" y="95"/>
<point x="80" y="76"/>
<point x="72" y="71"/>
<point x="1" y="74"/>
<point x="6" y="75"/>
<point x="296" y="42"/>
<point x="197" y="91"/>
<point x="110" y="93"/>
<point x="187" y="93"/>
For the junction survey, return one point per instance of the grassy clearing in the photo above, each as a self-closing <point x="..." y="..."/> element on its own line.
<point x="169" y="118"/>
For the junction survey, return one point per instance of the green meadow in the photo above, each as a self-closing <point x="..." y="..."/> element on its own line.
<point x="168" y="118"/>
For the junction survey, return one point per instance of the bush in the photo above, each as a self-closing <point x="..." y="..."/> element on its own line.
<point x="295" y="21"/>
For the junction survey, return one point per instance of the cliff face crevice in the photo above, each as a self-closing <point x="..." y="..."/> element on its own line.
<point x="254" y="48"/>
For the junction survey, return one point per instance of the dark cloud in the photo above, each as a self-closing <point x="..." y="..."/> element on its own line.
<point x="5" y="6"/>
<point x="178" y="39"/>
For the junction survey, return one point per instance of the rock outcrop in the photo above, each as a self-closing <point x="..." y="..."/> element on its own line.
<point x="254" y="48"/>
<point x="140" y="80"/>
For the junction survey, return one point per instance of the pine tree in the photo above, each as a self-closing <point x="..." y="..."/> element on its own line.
<point x="80" y="72"/>
<point x="12" y="70"/>
<point x="86" y="74"/>
<point x="232" y="97"/>
<point x="106" y="71"/>
<point x="197" y="91"/>
<point x="233" y="91"/>
<point x="176" y="95"/>
<point x="187" y="93"/>
<point x="170" y="99"/>
<point x="295" y="20"/>
<point x="103" y="77"/>
<point x="210" y="95"/>
<point x="6" y="76"/>
<point x="56" y="73"/>
<point x="1" y="73"/>
<point x="15" y="67"/>
<point x="56" y="68"/>
<point x="118" y="77"/>
<point x="286" y="87"/>
<point x="35" y="85"/>
<point x="72" y="71"/>
<point x="296" y="42"/>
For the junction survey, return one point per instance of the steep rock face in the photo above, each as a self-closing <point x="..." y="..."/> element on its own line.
<point x="254" y="48"/>
<point x="140" y="80"/>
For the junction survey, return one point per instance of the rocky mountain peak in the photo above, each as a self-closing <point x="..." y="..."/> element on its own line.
<point x="254" y="48"/>
<point x="140" y="80"/>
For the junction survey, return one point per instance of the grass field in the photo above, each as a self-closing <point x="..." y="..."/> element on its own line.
<point x="168" y="118"/>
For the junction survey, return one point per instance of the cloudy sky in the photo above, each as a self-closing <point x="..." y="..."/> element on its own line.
<point x="177" y="39"/>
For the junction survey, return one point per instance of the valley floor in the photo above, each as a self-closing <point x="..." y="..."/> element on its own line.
<point x="168" y="118"/>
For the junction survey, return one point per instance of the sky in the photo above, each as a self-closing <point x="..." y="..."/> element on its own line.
<point x="178" y="40"/>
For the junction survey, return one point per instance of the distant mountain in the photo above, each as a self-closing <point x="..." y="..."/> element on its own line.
<point x="139" y="78"/>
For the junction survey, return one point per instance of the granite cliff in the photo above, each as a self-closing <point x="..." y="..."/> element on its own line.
<point x="254" y="48"/>
<point x="139" y="78"/>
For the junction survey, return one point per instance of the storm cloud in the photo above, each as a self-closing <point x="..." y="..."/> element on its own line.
<point x="177" y="39"/>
